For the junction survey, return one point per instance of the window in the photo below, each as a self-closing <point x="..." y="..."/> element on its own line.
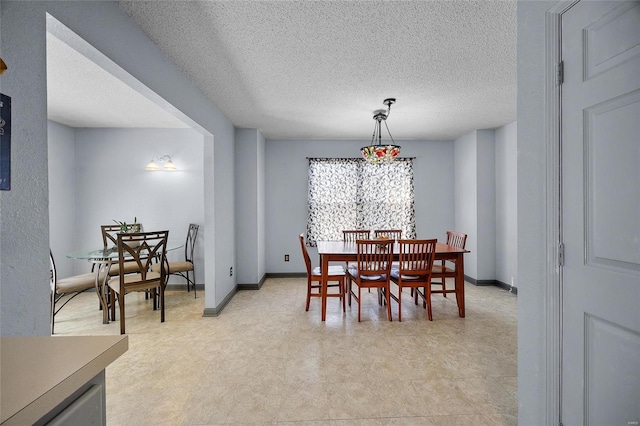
<point x="347" y="193"/>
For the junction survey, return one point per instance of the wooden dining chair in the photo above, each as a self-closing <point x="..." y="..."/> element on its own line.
<point x="351" y="235"/>
<point x="185" y="268"/>
<point x="65" y="289"/>
<point x="372" y="270"/>
<point x="335" y="278"/>
<point x="414" y="271"/>
<point x="447" y="268"/>
<point x="143" y="248"/>
<point x="392" y="234"/>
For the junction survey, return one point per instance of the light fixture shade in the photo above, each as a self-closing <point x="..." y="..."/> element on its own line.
<point x="169" y="166"/>
<point x="162" y="163"/>
<point x="152" y="165"/>
<point x="380" y="153"/>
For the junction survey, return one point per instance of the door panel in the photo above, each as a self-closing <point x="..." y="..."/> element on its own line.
<point x="600" y="222"/>
<point x="612" y="224"/>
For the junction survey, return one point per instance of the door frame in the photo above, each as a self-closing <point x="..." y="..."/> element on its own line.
<point x="553" y="213"/>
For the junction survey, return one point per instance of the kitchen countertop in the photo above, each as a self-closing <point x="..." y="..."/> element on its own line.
<point x="38" y="373"/>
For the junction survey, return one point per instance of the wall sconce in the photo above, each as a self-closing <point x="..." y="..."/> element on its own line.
<point x="3" y="66"/>
<point x="161" y="163"/>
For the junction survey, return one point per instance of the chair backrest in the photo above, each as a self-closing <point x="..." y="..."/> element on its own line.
<point x="416" y="257"/>
<point x="53" y="276"/>
<point x="456" y="239"/>
<point x="190" y="244"/>
<point x="305" y="254"/>
<point x="392" y="234"/>
<point x="144" y="248"/>
<point x="110" y="232"/>
<point x="374" y="258"/>
<point x="356" y="234"/>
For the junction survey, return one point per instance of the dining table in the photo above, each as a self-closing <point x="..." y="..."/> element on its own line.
<point x="347" y="251"/>
<point x="102" y="259"/>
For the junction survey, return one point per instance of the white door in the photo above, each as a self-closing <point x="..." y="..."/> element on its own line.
<point x="600" y="222"/>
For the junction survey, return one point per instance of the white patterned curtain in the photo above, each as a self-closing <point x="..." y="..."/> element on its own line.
<point x="349" y="193"/>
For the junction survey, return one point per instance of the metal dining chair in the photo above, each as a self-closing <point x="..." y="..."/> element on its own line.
<point x="110" y="239"/>
<point x="65" y="289"/>
<point x="185" y="268"/>
<point x="143" y="248"/>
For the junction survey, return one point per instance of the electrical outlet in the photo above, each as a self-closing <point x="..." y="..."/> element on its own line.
<point x="286" y="257"/>
<point x="231" y="271"/>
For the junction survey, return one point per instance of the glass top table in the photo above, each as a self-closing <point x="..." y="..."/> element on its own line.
<point x="111" y="254"/>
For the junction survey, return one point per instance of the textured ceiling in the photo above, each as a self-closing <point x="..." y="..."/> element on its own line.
<point x="82" y="94"/>
<point x="318" y="69"/>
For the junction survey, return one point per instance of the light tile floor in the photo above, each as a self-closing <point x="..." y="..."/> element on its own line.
<point x="265" y="361"/>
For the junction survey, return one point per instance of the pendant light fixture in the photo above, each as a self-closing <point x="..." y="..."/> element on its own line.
<point x="377" y="152"/>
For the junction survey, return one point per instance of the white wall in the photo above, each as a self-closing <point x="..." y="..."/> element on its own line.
<point x="24" y="224"/>
<point x="475" y="209"/>
<point x="466" y="196"/>
<point x="506" y="204"/>
<point x="62" y="198"/>
<point x="250" y="201"/>
<point x="24" y="221"/>
<point x="111" y="184"/>
<point x="486" y="208"/>
<point x="533" y="353"/>
<point x="261" y="237"/>
<point x="286" y="192"/>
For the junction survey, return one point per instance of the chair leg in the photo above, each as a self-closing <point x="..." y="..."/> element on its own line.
<point x="121" y="303"/>
<point x="53" y="312"/>
<point x="193" y="281"/>
<point x="308" y="293"/>
<point x="427" y="298"/>
<point x="154" y="296"/>
<point x="387" y="290"/>
<point x="112" y="304"/>
<point x="359" y="302"/>
<point x="399" y="304"/>
<point x="161" y="290"/>
<point x="343" y="287"/>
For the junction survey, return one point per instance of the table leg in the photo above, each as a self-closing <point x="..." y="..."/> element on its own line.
<point x="100" y="290"/>
<point x="324" y="265"/>
<point x="460" y="284"/>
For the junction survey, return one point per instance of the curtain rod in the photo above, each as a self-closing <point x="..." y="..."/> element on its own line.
<point x="354" y="158"/>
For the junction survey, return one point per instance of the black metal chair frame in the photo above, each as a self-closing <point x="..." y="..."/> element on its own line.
<point x="189" y="247"/>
